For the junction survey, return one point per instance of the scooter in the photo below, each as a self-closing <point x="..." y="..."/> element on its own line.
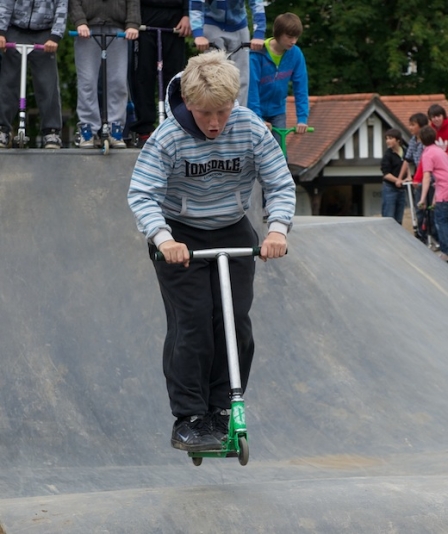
<point x="410" y="194"/>
<point x="161" y="95"/>
<point x="103" y="40"/>
<point x="230" y="53"/>
<point x="21" y="139"/>
<point x="235" y="444"/>
<point x="284" y="132"/>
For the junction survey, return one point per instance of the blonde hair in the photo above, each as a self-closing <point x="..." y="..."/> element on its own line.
<point x="211" y="79"/>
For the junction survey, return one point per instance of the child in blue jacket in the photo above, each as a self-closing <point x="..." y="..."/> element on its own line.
<point x="271" y="69"/>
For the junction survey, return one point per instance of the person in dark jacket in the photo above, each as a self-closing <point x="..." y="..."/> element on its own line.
<point x="393" y="192"/>
<point x="32" y="22"/>
<point x="168" y="14"/>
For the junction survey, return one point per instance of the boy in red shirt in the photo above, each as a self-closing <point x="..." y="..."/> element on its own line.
<point x="439" y="121"/>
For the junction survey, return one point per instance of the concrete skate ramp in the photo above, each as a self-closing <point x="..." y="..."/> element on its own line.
<point x="347" y="406"/>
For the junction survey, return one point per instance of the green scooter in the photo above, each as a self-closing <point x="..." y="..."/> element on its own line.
<point x="284" y="132"/>
<point x="235" y="445"/>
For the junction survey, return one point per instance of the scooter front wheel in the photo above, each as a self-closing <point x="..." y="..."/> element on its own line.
<point x="243" y="454"/>
<point x="106" y="147"/>
<point x="197" y="461"/>
<point x="21" y="140"/>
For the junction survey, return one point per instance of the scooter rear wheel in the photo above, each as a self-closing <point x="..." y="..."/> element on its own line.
<point x="243" y="454"/>
<point x="197" y="461"/>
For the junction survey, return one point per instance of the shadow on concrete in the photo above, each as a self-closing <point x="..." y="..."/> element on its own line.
<point x="347" y="407"/>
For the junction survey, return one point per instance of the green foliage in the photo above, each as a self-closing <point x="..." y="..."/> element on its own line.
<point x="351" y="46"/>
<point x="67" y="73"/>
<point x="383" y="46"/>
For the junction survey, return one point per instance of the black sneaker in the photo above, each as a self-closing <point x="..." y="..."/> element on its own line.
<point x="193" y="434"/>
<point x="219" y="423"/>
<point x="52" y="139"/>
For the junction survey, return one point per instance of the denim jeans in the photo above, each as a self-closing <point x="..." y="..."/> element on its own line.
<point x="393" y="202"/>
<point x="441" y="220"/>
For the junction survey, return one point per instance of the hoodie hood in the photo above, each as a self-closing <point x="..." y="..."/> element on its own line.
<point x="177" y="111"/>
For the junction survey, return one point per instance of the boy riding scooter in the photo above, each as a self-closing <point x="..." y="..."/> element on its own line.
<point x="190" y="190"/>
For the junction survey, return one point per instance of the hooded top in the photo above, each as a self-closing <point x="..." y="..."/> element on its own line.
<point x="228" y="15"/>
<point x="34" y="15"/>
<point x="268" y="87"/>
<point x="122" y="14"/>
<point x="206" y="183"/>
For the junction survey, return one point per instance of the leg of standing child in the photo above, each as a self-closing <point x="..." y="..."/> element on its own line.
<point x="231" y="41"/>
<point x="10" y="83"/>
<point x="88" y="61"/>
<point x="441" y="220"/>
<point x="45" y="75"/>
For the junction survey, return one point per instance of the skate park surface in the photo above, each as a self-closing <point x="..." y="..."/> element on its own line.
<point x="347" y="404"/>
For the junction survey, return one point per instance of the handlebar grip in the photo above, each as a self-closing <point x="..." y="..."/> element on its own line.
<point x="310" y="129"/>
<point x="74" y="33"/>
<point x="35" y="46"/>
<point x="158" y="256"/>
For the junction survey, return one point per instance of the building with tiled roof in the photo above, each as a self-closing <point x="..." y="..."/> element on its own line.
<point x="337" y="168"/>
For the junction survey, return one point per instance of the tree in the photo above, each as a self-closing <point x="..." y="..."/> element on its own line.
<point x="381" y="46"/>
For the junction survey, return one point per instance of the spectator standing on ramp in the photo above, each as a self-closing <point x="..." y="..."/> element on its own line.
<point x="190" y="190"/>
<point x="412" y="156"/>
<point x="32" y="22"/>
<point x="393" y="193"/>
<point x="98" y="16"/>
<point x="272" y="68"/>
<point x="157" y="14"/>
<point x="435" y="162"/>
<point x="225" y="24"/>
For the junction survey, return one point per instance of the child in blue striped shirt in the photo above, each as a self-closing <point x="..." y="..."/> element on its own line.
<point x="190" y="190"/>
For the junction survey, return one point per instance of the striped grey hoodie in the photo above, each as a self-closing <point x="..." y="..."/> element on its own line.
<point x="36" y="15"/>
<point x="207" y="183"/>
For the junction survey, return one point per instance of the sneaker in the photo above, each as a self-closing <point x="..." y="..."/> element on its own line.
<point x="85" y="136"/>
<point x="142" y="138"/>
<point x="52" y="140"/>
<point x="116" y="136"/>
<point x="193" y="434"/>
<point x="4" y="139"/>
<point x="219" y="423"/>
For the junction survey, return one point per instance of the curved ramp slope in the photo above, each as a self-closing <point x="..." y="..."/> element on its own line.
<point x="347" y="407"/>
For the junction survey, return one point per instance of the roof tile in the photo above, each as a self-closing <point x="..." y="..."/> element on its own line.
<point x="332" y="115"/>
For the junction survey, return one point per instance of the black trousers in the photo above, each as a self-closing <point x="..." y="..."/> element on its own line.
<point x="194" y="354"/>
<point x="44" y="72"/>
<point x="144" y="76"/>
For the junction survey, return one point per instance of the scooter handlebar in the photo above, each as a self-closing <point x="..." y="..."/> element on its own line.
<point x="145" y="28"/>
<point x="74" y="33"/>
<point x="214" y="252"/>
<point x="35" y="46"/>
<point x="310" y="129"/>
